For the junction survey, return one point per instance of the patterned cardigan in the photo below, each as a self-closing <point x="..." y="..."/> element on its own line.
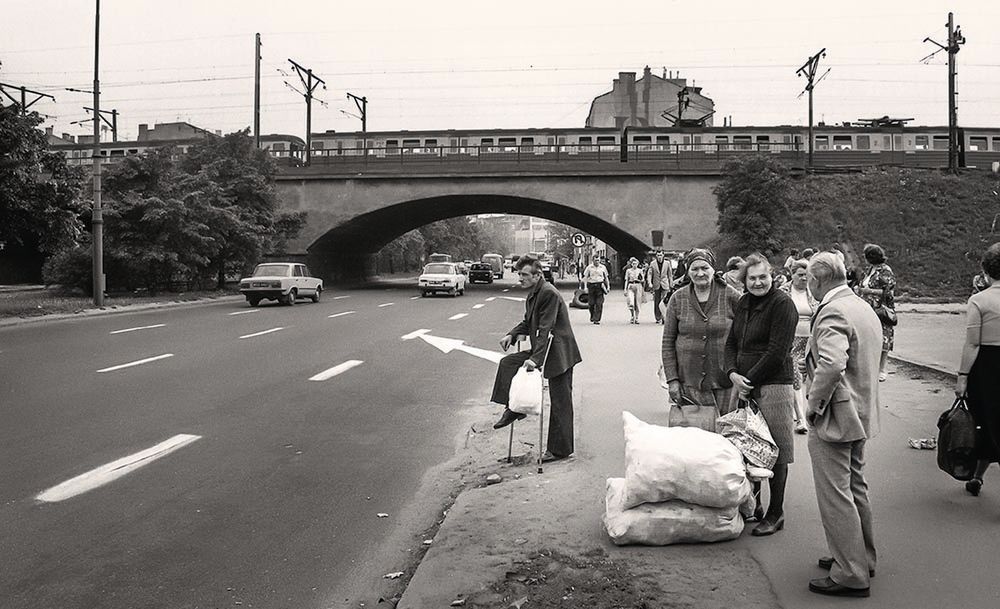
<point x="694" y="338"/>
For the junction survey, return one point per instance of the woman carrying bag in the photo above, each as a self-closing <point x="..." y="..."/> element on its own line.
<point x="979" y="372"/>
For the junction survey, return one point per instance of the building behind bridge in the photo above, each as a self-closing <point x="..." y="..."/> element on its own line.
<point x="641" y="103"/>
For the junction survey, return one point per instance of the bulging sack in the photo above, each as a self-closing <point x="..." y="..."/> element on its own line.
<point x="685" y="463"/>
<point x="660" y="524"/>
<point x="526" y="392"/>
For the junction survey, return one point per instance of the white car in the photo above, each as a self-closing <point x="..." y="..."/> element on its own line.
<point x="442" y="277"/>
<point x="281" y="281"/>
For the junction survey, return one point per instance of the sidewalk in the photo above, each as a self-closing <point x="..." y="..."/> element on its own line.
<point x="930" y="336"/>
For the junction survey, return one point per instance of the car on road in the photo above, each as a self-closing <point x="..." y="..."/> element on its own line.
<point x="481" y="272"/>
<point x="284" y="282"/>
<point x="441" y="277"/>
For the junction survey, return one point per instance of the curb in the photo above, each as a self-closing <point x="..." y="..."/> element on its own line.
<point x="112" y="310"/>
<point x="924" y="365"/>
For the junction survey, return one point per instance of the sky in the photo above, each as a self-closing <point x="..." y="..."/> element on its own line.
<point x="471" y="64"/>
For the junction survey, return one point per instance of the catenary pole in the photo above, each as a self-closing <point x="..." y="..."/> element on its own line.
<point x="256" y="93"/>
<point x="809" y="69"/>
<point x="310" y="81"/>
<point x="97" y="222"/>
<point x="955" y="40"/>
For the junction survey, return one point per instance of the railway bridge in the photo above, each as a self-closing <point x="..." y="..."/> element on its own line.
<point x="355" y="207"/>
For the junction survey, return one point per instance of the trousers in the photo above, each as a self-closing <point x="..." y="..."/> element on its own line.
<point x="595" y="301"/>
<point x="560" y="436"/>
<point x="657" y="299"/>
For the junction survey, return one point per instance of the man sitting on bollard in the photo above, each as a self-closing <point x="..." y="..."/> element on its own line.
<point x="545" y="314"/>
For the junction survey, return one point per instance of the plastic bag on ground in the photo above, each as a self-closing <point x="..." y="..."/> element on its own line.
<point x="660" y="524"/>
<point x="685" y="463"/>
<point x="526" y="392"/>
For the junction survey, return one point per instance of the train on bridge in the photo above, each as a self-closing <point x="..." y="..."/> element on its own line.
<point x="834" y="146"/>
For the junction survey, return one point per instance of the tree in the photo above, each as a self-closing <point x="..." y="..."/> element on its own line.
<point x="753" y="203"/>
<point x="40" y="195"/>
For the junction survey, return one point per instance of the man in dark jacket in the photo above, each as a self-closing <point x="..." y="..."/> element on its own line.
<point x="545" y="315"/>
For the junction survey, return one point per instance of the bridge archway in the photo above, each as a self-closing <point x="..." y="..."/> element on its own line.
<point x="343" y="252"/>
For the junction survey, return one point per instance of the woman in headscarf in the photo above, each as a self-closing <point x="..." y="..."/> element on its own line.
<point x="635" y="279"/>
<point x="695" y="325"/>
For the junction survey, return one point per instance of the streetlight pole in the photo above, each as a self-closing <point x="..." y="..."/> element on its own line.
<point x="97" y="222"/>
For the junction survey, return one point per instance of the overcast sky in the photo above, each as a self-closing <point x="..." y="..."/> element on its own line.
<point x="432" y="64"/>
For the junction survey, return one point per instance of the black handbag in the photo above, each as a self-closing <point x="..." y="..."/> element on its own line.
<point x="887" y="315"/>
<point x="957" y="441"/>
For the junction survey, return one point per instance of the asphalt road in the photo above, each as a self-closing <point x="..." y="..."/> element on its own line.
<point x="275" y="503"/>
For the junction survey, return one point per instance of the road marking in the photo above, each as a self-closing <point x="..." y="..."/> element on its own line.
<point x="414" y="334"/>
<point x="338" y="369"/>
<point x="506" y="290"/>
<point x="514" y="298"/>
<point x="139" y="328"/>
<point x="245" y="312"/>
<point x="340" y="297"/>
<point x="459" y="316"/>
<point x="340" y="314"/>
<point x="114" y="470"/>
<point x="386" y="304"/>
<point x="261" y="333"/>
<point x="478" y="306"/>
<point x="414" y="297"/>
<point x="137" y="363"/>
<point x="447" y="345"/>
<point x="491" y="299"/>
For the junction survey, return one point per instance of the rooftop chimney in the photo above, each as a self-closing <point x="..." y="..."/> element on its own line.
<point x="48" y="131"/>
<point x="68" y="137"/>
<point x="143" y="132"/>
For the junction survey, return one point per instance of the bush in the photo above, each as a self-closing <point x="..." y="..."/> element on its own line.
<point x="70" y="268"/>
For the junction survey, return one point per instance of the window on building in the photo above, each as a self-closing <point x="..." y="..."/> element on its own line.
<point x="863" y="142"/>
<point x="921" y="142"/>
<point x="843" y="142"/>
<point x="978" y="143"/>
<point x="822" y="142"/>
<point x="940" y="142"/>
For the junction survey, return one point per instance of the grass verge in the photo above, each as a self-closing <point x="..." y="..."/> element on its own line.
<point x="36" y="303"/>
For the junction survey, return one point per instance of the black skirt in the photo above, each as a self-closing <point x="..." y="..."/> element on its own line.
<point x="984" y="402"/>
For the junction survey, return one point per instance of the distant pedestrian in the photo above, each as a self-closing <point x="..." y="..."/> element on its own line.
<point x="978" y="372"/>
<point x="808" y="253"/>
<point x="660" y="277"/>
<point x="793" y="255"/>
<point x="598" y="283"/>
<point x="634" y="282"/>
<point x="805" y="305"/>
<point x="878" y="288"/>
<point x="759" y="364"/>
<point x="545" y="315"/>
<point x="695" y="326"/>
<point x="842" y="368"/>
<point x="732" y="274"/>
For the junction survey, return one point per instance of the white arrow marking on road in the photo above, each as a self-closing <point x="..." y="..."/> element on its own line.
<point x="114" y="470"/>
<point x="491" y="299"/>
<point x="493" y="356"/>
<point x="386" y="304"/>
<point x="137" y="363"/>
<point x="414" y="334"/>
<point x="245" y="312"/>
<point x="458" y="316"/>
<point x="447" y="345"/>
<point x="338" y="369"/>
<point x="139" y="328"/>
<point x="514" y="298"/>
<point x="340" y="297"/>
<point x="340" y="314"/>
<point x="261" y="333"/>
<point x="478" y="306"/>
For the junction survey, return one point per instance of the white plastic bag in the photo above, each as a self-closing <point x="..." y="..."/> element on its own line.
<point x="660" y="524"/>
<point x="686" y="463"/>
<point x="526" y="392"/>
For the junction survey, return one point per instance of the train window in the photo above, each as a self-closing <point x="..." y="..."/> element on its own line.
<point x="392" y="143"/>
<point x="278" y="146"/>
<point x="920" y="142"/>
<point x="136" y="150"/>
<point x="606" y="142"/>
<point x="486" y="143"/>
<point x="453" y="143"/>
<point x="940" y="142"/>
<point x="117" y="153"/>
<point x="742" y="142"/>
<point x="822" y="142"/>
<point x="897" y="141"/>
<point x="507" y="144"/>
<point x="430" y="143"/>
<point x="584" y="142"/>
<point x="642" y="139"/>
<point x="996" y="143"/>
<point x="864" y="142"/>
<point x="842" y="142"/>
<point x="886" y="142"/>
<point x="763" y="142"/>
<point x="978" y="143"/>
<point x="528" y="144"/>
<point x="319" y="145"/>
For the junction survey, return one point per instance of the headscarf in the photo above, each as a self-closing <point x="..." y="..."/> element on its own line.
<point x="699" y="254"/>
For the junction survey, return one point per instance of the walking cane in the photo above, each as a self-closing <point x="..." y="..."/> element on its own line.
<point x="541" y="407"/>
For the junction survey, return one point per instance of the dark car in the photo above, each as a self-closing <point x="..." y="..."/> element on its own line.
<point x="481" y="272"/>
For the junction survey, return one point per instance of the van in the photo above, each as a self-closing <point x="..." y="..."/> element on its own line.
<point x="496" y="262"/>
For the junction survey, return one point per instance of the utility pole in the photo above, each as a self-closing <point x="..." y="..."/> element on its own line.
<point x="955" y="40"/>
<point x="97" y="222"/>
<point x="809" y="69"/>
<point x="256" y="93"/>
<point x="362" y="104"/>
<point x="113" y="123"/>
<point x="24" y="103"/>
<point x="310" y="81"/>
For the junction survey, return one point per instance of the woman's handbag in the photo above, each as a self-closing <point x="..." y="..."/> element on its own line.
<point x="691" y="414"/>
<point x="526" y="392"/>
<point x="957" y="441"/>
<point x="887" y="315"/>
<point x="746" y="428"/>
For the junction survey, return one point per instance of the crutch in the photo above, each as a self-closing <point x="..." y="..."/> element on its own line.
<point x="541" y="406"/>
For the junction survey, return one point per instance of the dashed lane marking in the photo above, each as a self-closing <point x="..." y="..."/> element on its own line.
<point x="414" y="297"/>
<point x="137" y="363"/>
<point x="338" y="369"/>
<point x="514" y="298"/>
<point x="245" y="312"/>
<point x="491" y="299"/>
<point x="459" y="316"/>
<point x="478" y="306"/>
<point x="135" y="329"/>
<point x="262" y="333"/>
<point x="340" y="314"/>
<point x="114" y="470"/>
<point x="386" y="304"/>
<point x="506" y="290"/>
<point x="340" y="297"/>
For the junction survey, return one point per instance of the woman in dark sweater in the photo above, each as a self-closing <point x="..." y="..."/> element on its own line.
<point x="759" y="363"/>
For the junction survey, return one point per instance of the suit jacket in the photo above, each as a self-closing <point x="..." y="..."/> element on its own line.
<point x="842" y="365"/>
<point x="545" y="313"/>
<point x="660" y="280"/>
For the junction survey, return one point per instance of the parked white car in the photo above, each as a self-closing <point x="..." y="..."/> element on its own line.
<point x="442" y="277"/>
<point x="281" y="281"/>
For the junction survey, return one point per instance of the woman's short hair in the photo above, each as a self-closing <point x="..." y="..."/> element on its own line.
<point x="752" y="260"/>
<point x="874" y="254"/>
<point x="798" y="264"/>
<point x="991" y="261"/>
<point x="734" y="263"/>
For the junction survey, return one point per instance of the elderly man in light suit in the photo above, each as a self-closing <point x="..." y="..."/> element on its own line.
<point x="842" y="364"/>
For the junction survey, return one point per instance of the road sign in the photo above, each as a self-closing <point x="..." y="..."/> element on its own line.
<point x="579" y="239"/>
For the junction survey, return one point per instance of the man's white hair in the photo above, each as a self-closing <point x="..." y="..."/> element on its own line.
<point x="828" y="267"/>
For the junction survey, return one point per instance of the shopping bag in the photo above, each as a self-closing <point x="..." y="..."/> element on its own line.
<point x="746" y="428"/>
<point x="691" y="414"/>
<point x="957" y="441"/>
<point x="526" y="392"/>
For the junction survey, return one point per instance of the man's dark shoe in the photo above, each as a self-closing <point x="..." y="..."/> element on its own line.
<point x="827" y="586"/>
<point x="827" y="563"/>
<point x="508" y="417"/>
<point x="549" y="457"/>
<point x="768" y="527"/>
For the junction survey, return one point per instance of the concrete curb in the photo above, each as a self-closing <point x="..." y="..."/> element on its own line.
<point x="113" y="310"/>
<point x="925" y="365"/>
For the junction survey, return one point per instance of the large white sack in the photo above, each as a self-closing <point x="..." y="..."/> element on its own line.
<point x="660" y="524"/>
<point x="686" y="463"/>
